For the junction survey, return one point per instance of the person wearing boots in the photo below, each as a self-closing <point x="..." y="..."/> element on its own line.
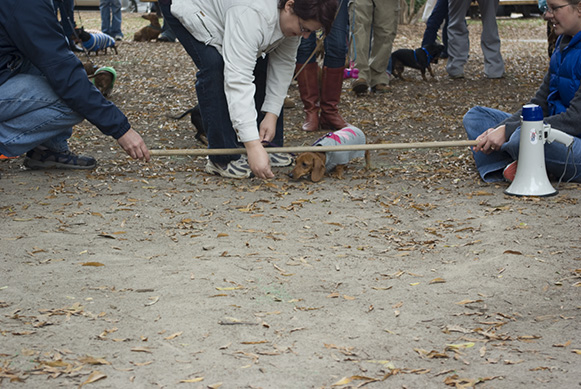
<point x="323" y="99"/>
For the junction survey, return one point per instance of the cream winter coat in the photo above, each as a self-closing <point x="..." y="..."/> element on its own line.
<point x="242" y="31"/>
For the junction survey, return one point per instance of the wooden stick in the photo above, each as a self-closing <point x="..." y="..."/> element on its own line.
<point x="303" y="149"/>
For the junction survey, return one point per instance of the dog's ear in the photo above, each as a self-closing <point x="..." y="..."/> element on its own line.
<point x="318" y="168"/>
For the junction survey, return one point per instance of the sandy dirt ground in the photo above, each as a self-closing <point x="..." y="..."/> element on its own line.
<point x="414" y="275"/>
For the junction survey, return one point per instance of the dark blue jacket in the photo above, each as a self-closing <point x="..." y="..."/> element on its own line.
<point x="560" y="94"/>
<point x="31" y="34"/>
<point x="565" y="74"/>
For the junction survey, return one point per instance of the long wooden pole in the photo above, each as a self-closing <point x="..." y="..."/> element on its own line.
<point x="303" y="149"/>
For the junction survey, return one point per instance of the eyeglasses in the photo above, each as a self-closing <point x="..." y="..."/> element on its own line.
<point x="547" y="9"/>
<point x="303" y="29"/>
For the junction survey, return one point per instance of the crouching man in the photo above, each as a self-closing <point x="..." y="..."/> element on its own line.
<point x="44" y="91"/>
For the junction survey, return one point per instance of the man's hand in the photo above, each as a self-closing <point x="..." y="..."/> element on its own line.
<point x="258" y="159"/>
<point x="134" y="145"/>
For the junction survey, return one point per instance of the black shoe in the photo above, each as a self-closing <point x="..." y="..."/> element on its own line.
<point x="46" y="159"/>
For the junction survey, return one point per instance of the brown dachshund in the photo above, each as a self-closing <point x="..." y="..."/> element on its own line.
<point x="104" y="79"/>
<point x="147" y="33"/>
<point x="314" y="164"/>
<point x="318" y="163"/>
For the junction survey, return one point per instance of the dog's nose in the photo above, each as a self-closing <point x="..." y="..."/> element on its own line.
<point x="290" y="174"/>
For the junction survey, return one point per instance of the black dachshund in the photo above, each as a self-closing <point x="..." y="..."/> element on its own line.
<point x="196" y="119"/>
<point x="420" y="59"/>
<point x="94" y="41"/>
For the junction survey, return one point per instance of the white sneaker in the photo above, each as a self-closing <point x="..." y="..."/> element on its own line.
<point x="280" y="159"/>
<point x="238" y="168"/>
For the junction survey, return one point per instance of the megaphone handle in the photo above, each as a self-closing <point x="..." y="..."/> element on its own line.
<point x="552" y="135"/>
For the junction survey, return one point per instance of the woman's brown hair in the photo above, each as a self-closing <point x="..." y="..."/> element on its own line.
<point x="323" y="11"/>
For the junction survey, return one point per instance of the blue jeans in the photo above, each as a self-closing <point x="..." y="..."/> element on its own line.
<point x="31" y="114"/>
<point x="111" y="17"/>
<point x="210" y="91"/>
<point x="438" y="15"/>
<point x="490" y="166"/>
<point x="335" y="43"/>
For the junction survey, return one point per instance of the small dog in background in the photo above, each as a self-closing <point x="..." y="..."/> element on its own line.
<point x="316" y="164"/>
<point x="103" y="78"/>
<point x="147" y="33"/>
<point x="420" y="59"/>
<point x="196" y="119"/>
<point x="94" y="41"/>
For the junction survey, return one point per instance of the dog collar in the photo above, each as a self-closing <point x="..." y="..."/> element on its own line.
<point x="110" y="70"/>
<point x="427" y="54"/>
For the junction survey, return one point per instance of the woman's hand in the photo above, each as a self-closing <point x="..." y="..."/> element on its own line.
<point x="258" y="159"/>
<point x="490" y="140"/>
<point x="267" y="129"/>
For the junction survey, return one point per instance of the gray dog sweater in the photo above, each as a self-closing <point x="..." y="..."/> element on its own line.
<point x="345" y="136"/>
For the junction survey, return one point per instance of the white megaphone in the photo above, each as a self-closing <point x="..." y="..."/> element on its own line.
<point x="531" y="174"/>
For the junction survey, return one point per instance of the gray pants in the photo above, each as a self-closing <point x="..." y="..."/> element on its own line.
<point x="459" y="42"/>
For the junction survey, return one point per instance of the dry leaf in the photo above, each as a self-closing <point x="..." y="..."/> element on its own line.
<point x="191" y="380"/>
<point x="93" y="377"/>
<point x="173" y="336"/>
<point x="141" y="350"/>
<point x="94" y="361"/>
<point x="347" y="380"/>
<point x="566" y="344"/>
<point x="464" y="302"/>
<point x="96" y="264"/>
<point x="255" y="342"/>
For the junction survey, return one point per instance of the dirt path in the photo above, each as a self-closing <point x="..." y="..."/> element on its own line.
<point x="414" y="275"/>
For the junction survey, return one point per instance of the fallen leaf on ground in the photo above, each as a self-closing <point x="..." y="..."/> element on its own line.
<point x="94" y="377"/>
<point x="192" y="380"/>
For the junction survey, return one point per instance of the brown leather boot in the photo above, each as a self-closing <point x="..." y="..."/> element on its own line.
<point x="308" y="81"/>
<point x="330" y="95"/>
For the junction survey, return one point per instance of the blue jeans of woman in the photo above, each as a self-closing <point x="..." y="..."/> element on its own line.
<point x="210" y="91"/>
<point x="31" y="114"/>
<point x="335" y="43"/>
<point x="438" y="15"/>
<point x="490" y="166"/>
<point x="111" y="17"/>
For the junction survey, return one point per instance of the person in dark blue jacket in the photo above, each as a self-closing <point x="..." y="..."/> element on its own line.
<point x="44" y="91"/>
<point x="559" y="96"/>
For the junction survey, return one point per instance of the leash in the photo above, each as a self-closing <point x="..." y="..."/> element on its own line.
<point x="77" y="35"/>
<point x="427" y="54"/>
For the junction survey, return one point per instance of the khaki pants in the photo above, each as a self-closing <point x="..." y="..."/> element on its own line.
<point x="374" y="26"/>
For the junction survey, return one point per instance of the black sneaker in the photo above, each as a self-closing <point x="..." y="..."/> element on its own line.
<point x="46" y="159"/>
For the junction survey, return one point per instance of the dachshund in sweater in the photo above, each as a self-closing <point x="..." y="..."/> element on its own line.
<point x="94" y="41"/>
<point x="316" y="164"/>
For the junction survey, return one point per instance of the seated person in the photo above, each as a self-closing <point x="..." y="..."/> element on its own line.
<point x="498" y="133"/>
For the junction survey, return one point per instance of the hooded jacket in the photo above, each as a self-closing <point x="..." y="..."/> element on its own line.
<point x="30" y="35"/>
<point x="559" y="95"/>
<point x="242" y="31"/>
